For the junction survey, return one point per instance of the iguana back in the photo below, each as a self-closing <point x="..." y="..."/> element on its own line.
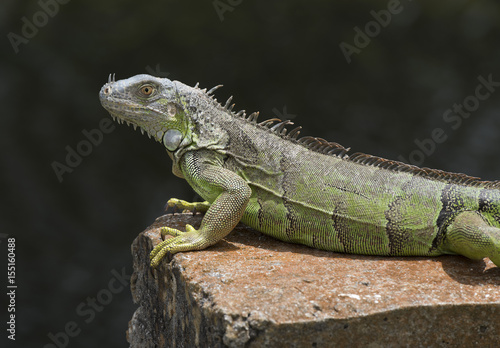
<point x="356" y="204"/>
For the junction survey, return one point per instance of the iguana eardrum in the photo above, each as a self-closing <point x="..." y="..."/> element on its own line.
<point x="301" y="190"/>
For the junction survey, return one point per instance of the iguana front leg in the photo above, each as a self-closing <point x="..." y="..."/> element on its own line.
<point x="230" y="195"/>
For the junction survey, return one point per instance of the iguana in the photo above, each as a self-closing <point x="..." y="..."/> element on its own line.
<point x="302" y="190"/>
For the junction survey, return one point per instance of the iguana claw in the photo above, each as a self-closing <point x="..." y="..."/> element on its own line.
<point x="191" y="239"/>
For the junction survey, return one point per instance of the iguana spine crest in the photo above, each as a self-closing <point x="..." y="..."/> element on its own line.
<point x="334" y="149"/>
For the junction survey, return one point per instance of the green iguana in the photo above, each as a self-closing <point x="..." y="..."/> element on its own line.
<point x="301" y="190"/>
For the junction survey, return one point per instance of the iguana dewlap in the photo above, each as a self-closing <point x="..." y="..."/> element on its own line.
<point x="301" y="190"/>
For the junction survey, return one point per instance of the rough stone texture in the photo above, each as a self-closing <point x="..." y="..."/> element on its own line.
<point x="251" y="290"/>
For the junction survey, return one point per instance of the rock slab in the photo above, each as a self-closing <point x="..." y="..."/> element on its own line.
<point x="251" y="290"/>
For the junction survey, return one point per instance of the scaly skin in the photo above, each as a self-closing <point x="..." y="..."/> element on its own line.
<point x="301" y="190"/>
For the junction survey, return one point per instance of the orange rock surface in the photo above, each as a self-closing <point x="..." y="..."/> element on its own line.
<point x="251" y="290"/>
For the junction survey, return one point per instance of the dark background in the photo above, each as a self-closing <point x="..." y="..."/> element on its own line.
<point x="277" y="57"/>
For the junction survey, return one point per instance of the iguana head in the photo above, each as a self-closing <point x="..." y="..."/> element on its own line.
<point x="155" y="105"/>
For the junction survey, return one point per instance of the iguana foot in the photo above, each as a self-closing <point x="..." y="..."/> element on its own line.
<point x="191" y="239"/>
<point x="184" y="206"/>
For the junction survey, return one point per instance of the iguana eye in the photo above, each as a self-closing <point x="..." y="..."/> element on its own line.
<point x="147" y="90"/>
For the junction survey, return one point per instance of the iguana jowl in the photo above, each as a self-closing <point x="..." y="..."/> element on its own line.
<point x="302" y="190"/>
